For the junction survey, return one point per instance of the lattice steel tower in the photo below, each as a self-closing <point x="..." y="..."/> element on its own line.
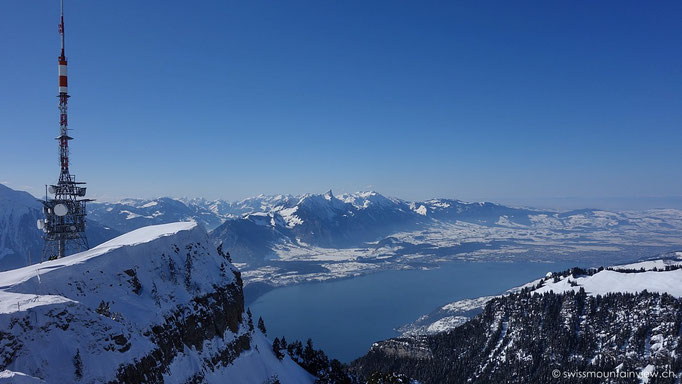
<point x="64" y="223"/>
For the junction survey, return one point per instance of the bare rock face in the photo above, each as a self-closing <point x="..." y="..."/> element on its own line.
<point x="205" y="318"/>
<point x="156" y="305"/>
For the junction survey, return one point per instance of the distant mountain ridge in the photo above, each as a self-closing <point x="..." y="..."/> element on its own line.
<point x="354" y="220"/>
<point x="128" y="213"/>
<point x="321" y="220"/>
<point x="261" y="229"/>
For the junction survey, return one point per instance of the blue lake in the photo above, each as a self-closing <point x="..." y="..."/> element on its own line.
<point x="344" y="317"/>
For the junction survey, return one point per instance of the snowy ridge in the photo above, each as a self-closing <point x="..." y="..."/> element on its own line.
<point x="149" y="234"/>
<point x="363" y="200"/>
<point x="129" y="214"/>
<point x="158" y="304"/>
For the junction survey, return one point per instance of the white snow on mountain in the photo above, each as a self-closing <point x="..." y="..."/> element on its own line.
<point x="364" y="200"/>
<point x="11" y="377"/>
<point x="234" y="209"/>
<point x="421" y="210"/>
<point x="289" y="216"/>
<point x="134" y="306"/>
<point x="611" y="281"/>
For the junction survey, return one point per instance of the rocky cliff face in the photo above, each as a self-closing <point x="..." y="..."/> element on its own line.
<point x="158" y="304"/>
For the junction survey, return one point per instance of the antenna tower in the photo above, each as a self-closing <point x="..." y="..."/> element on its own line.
<point x="64" y="223"/>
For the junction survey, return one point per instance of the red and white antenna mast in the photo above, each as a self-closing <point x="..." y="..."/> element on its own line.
<point x="64" y="223"/>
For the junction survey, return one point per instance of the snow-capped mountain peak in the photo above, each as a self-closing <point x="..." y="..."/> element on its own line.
<point x="366" y="199"/>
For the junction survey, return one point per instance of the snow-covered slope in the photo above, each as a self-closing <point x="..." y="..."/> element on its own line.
<point x="658" y="275"/>
<point x="158" y="304"/>
<point x="19" y="235"/>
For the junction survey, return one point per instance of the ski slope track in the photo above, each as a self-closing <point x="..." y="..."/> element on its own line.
<point x="158" y="304"/>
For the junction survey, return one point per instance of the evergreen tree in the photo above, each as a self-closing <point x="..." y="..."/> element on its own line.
<point x="335" y="374"/>
<point x="277" y="349"/>
<point x="261" y="326"/>
<point x="188" y="271"/>
<point x="308" y="352"/>
<point x="295" y="350"/>
<point x="250" y="320"/>
<point x="78" y="365"/>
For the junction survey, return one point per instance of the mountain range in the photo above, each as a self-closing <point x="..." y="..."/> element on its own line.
<point x="286" y="239"/>
<point x="258" y="228"/>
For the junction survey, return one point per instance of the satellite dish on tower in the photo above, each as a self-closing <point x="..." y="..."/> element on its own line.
<point x="41" y="224"/>
<point x="51" y="189"/>
<point x="60" y="210"/>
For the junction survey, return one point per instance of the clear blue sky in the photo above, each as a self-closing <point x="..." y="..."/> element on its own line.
<point x="415" y="99"/>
